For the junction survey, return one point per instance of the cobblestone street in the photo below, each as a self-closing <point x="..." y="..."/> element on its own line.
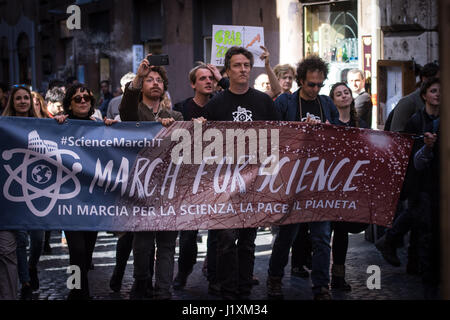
<point x="396" y="284"/>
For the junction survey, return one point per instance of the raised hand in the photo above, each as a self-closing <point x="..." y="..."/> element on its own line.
<point x="215" y="71"/>
<point x="265" y="55"/>
<point x="144" y="68"/>
<point x="142" y="72"/>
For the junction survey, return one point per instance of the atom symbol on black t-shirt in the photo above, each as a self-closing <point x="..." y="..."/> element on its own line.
<point x="242" y="114"/>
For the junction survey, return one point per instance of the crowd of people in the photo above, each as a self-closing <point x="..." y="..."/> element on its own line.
<point x="316" y="247"/>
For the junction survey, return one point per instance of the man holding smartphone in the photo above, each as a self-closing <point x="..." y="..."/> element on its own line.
<point x="142" y="102"/>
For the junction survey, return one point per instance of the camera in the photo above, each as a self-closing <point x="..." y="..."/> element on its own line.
<point x="158" y="60"/>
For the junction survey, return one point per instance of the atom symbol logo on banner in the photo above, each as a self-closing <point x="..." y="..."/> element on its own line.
<point x="41" y="156"/>
<point x="41" y="174"/>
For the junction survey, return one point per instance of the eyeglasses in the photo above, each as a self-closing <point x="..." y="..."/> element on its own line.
<point x="313" y="84"/>
<point x="159" y="80"/>
<point x="78" y="99"/>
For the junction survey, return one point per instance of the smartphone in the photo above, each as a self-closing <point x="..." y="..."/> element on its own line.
<point x="158" y="60"/>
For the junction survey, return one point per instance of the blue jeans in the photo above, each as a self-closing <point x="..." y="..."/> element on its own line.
<point x="36" y="246"/>
<point x="320" y="238"/>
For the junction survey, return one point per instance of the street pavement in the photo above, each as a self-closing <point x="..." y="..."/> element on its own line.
<point x="395" y="283"/>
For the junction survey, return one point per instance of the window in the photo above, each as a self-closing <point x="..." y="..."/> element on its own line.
<point x="99" y="26"/>
<point x="207" y="43"/>
<point x="149" y="20"/>
<point x="331" y="32"/>
<point x="153" y="46"/>
<point x="148" y="28"/>
<point x="4" y="60"/>
<point x="207" y="13"/>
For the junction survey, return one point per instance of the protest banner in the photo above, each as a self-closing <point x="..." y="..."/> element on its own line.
<point x="225" y="37"/>
<point x="140" y="176"/>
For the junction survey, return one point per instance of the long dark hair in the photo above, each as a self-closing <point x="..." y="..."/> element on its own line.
<point x="71" y="91"/>
<point x="353" y="114"/>
<point x="10" y="110"/>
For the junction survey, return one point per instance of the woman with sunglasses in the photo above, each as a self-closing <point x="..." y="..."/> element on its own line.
<point x="342" y="97"/>
<point x="20" y="104"/>
<point x="78" y="104"/>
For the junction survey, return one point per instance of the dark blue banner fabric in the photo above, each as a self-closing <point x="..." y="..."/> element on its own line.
<point x="56" y="176"/>
<point x="84" y="175"/>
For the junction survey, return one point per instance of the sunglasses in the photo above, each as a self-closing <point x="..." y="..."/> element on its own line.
<point x="78" y="99"/>
<point x="313" y="84"/>
<point x="21" y="86"/>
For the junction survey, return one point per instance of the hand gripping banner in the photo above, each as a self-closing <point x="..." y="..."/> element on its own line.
<point x="83" y="175"/>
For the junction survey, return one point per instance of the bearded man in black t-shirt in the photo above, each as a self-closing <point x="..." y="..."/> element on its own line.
<point x="240" y="102"/>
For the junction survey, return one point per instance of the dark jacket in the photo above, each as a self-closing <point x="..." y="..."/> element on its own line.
<point x="287" y="106"/>
<point x="418" y="124"/>
<point x="183" y="108"/>
<point x="363" y="106"/>
<point x="387" y="124"/>
<point x="404" y="109"/>
<point x="133" y="109"/>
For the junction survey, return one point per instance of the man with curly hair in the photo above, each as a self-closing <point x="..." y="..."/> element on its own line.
<point x="142" y="101"/>
<point x="308" y="106"/>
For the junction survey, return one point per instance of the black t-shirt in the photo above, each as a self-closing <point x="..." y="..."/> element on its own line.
<point x="352" y="123"/>
<point x="194" y="110"/>
<point x="189" y="109"/>
<point x="313" y="108"/>
<point x="250" y="106"/>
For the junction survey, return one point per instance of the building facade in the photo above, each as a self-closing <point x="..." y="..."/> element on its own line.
<point x="36" y="46"/>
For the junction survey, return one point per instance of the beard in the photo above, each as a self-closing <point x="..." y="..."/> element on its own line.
<point x="154" y="94"/>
